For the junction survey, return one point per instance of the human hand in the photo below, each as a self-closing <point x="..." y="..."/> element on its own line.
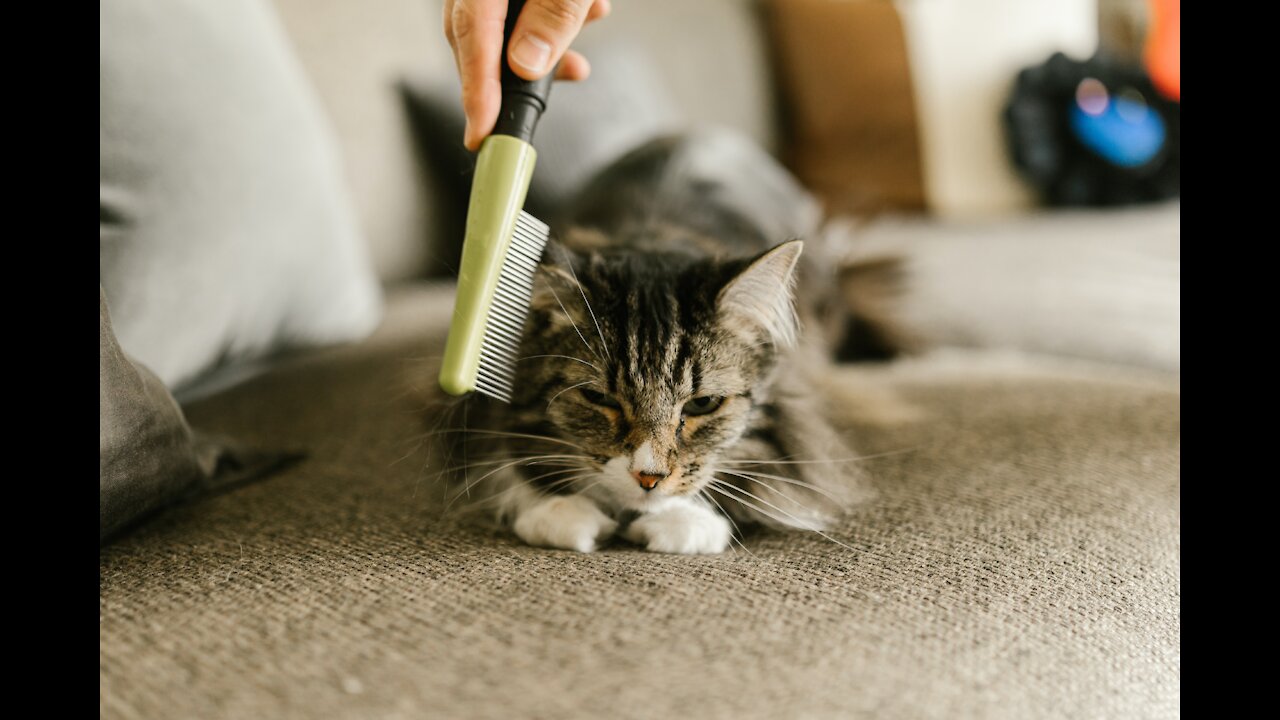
<point x="541" y="39"/>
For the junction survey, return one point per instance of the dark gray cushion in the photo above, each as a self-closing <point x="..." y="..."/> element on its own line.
<point x="226" y="231"/>
<point x="148" y="456"/>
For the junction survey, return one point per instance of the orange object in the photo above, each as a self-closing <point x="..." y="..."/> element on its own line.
<point x="1161" y="55"/>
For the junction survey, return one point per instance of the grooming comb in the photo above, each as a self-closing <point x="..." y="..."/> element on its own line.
<point x="502" y="246"/>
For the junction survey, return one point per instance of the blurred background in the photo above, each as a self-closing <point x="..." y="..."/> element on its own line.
<point x="875" y="105"/>
<point x="941" y="126"/>
<point x="1023" y="155"/>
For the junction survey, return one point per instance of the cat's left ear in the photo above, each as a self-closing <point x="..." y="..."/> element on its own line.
<point x="759" y="299"/>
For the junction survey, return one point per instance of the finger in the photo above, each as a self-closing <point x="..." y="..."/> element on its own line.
<point x="599" y="9"/>
<point x="448" y="27"/>
<point x="477" y="33"/>
<point x="543" y="33"/>
<point x="573" y="67"/>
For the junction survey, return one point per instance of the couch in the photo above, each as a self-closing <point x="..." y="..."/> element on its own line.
<point x="1020" y="559"/>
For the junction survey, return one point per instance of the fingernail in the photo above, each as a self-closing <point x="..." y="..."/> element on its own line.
<point x="531" y="53"/>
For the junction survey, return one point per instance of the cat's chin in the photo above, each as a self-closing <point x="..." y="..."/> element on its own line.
<point x="651" y="502"/>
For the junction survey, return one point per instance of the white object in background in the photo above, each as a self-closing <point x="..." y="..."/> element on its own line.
<point x="1102" y="285"/>
<point x="964" y="57"/>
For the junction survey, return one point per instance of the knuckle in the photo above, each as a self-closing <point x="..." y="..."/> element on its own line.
<point x="463" y="23"/>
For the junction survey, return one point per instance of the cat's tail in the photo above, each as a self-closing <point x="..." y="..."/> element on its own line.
<point x="860" y="314"/>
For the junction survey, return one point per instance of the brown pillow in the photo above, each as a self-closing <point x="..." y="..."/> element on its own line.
<point x="846" y="79"/>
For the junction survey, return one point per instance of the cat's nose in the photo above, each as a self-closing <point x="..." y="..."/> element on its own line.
<point x="648" y="480"/>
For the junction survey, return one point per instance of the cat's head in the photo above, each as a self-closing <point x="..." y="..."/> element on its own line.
<point x="651" y="363"/>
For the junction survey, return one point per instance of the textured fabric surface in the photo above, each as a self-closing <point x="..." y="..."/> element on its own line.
<point x="1104" y="285"/>
<point x="1021" y="561"/>
<point x="225" y="229"/>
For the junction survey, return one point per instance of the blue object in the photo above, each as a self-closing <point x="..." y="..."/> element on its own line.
<point x="1125" y="132"/>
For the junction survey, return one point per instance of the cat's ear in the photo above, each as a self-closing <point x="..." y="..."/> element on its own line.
<point x="759" y="299"/>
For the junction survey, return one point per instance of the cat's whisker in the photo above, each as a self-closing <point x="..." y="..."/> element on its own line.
<point x="582" y="472"/>
<point x="502" y="433"/>
<point x="736" y="530"/>
<point x="755" y="477"/>
<point x="494" y="498"/>
<point x="482" y="478"/>
<point x="510" y="454"/>
<point x="799" y="505"/>
<point x="449" y="410"/>
<point x="718" y="485"/>
<point x="591" y="365"/>
<point x="565" y="390"/>
<point x="603" y="343"/>
<point x="592" y="485"/>
<point x="793" y="518"/>
<point x="720" y="490"/>
<point x="563" y="309"/>
<point x="527" y="460"/>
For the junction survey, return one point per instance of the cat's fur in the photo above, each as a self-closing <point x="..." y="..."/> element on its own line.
<point x="666" y="296"/>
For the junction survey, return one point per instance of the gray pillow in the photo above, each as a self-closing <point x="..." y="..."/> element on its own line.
<point x="225" y="230"/>
<point x="1096" y="284"/>
<point x="148" y="457"/>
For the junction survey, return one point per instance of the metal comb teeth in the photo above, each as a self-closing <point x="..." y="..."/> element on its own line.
<point x="505" y="324"/>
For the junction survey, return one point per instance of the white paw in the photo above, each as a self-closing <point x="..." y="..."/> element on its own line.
<point x="570" y="522"/>
<point x="683" y="529"/>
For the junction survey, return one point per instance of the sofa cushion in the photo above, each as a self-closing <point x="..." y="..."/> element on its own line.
<point x="1098" y="284"/>
<point x="1021" y="561"/>
<point x="148" y="457"/>
<point x="225" y="230"/>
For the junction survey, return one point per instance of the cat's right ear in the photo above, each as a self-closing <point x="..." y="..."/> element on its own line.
<point x="759" y="299"/>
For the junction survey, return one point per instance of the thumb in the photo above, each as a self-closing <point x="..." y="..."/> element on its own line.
<point x="542" y="35"/>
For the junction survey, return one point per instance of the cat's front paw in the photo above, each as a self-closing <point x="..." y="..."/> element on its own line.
<point x="682" y="529"/>
<point x="569" y="522"/>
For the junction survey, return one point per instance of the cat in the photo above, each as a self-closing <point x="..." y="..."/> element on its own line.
<point x="669" y="390"/>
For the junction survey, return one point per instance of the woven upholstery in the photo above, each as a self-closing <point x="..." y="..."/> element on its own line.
<point x="1021" y="561"/>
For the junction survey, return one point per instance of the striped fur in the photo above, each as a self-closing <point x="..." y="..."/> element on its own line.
<point x="637" y="321"/>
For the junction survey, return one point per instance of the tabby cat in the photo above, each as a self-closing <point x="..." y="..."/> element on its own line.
<point x="668" y="390"/>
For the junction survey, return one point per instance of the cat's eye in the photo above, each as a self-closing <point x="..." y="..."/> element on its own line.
<point x="598" y="398"/>
<point x="704" y="405"/>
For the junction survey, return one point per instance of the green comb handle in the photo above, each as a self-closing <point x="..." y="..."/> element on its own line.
<point x="503" y="170"/>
